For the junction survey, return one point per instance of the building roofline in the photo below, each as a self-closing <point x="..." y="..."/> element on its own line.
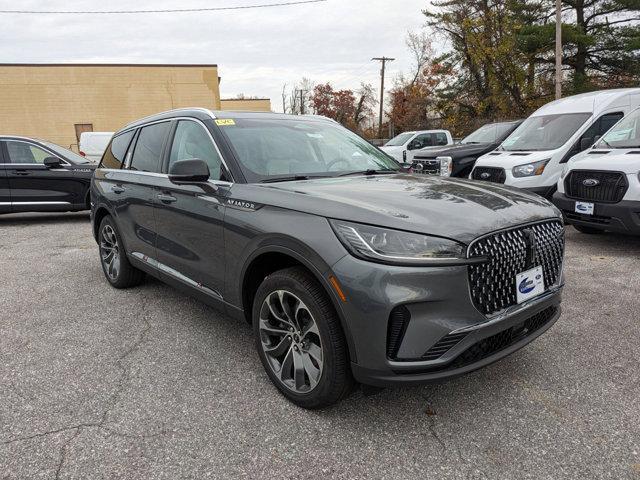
<point x="109" y="65"/>
<point x="242" y="99"/>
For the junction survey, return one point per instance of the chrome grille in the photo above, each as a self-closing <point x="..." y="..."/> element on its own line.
<point x="426" y="166"/>
<point x="509" y="252"/>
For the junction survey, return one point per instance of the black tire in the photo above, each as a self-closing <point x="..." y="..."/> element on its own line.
<point x="126" y="275"/>
<point x="588" y="230"/>
<point x="335" y="380"/>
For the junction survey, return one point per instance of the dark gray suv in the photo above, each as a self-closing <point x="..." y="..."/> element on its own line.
<point x="349" y="269"/>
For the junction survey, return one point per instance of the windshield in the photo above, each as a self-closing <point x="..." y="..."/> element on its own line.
<point x="485" y="134"/>
<point x="624" y="134"/>
<point x="67" y="154"/>
<point x="399" y="140"/>
<point x="271" y="148"/>
<point x="544" y="132"/>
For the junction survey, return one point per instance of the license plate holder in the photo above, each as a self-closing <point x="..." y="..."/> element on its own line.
<point x="529" y="284"/>
<point x="584" y="208"/>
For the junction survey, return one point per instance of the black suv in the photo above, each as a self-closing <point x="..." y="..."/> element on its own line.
<point x="40" y="176"/>
<point x="346" y="267"/>
<point x="458" y="160"/>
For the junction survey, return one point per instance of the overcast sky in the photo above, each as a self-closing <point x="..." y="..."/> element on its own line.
<point x="257" y="51"/>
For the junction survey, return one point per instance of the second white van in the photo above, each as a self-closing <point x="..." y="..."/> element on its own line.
<point x="93" y="144"/>
<point x="532" y="157"/>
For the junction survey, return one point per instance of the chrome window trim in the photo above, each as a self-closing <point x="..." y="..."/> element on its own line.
<point x="41" y="147"/>
<point x="127" y="161"/>
<point x="162" y="175"/>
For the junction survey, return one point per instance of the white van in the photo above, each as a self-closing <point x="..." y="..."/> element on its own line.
<point x="93" y="144"/>
<point x="403" y="147"/>
<point x="599" y="189"/>
<point x="532" y="157"/>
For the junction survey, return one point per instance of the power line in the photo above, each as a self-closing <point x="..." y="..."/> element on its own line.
<point x="174" y="10"/>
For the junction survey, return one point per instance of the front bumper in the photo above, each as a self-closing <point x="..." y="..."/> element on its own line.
<point x="440" y="307"/>
<point x="622" y="217"/>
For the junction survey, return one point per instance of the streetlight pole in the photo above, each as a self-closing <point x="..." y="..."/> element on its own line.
<point x="558" y="49"/>
<point x="384" y="61"/>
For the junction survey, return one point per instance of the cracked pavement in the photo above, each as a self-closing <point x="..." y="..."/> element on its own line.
<point x="149" y="383"/>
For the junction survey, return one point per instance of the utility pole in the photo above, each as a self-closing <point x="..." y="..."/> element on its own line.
<point x="384" y="61"/>
<point x="301" y="92"/>
<point x="558" y="49"/>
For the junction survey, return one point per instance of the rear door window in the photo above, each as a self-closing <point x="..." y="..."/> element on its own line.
<point x="117" y="149"/>
<point x="148" y="149"/>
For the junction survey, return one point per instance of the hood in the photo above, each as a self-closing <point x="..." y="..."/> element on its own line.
<point x="456" y="151"/>
<point x="392" y="149"/>
<point x="507" y="160"/>
<point x="448" y="207"/>
<point x="627" y="160"/>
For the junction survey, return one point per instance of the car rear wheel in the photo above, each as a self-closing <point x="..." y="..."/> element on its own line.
<point x="113" y="258"/>
<point x="299" y="339"/>
<point x="588" y="230"/>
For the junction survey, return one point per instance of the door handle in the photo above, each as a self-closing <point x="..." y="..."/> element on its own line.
<point x="117" y="189"/>
<point x="21" y="172"/>
<point x="165" y="198"/>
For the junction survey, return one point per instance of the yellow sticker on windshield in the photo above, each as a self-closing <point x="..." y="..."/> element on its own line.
<point x="225" y="122"/>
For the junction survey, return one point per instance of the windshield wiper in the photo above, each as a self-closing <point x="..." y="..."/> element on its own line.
<point x="291" y="178"/>
<point x="370" y="171"/>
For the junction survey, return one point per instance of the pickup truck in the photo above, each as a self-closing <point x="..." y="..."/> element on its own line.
<point x="403" y="147"/>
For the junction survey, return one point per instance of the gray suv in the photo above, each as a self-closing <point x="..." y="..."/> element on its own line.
<point x="349" y="269"/>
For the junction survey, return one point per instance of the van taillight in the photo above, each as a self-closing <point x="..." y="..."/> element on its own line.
<point x="82" y="153"/>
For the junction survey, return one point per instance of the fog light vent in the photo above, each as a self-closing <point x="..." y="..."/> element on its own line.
<point x="445" y="344"/>
<point x="398" y="322"/>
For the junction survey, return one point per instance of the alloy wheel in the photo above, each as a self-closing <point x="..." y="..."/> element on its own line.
<point x="110" y="252"/>
<point x="291" y="342"/>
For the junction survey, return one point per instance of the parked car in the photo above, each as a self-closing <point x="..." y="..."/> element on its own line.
<point x="93" y="144"/>
<point x="346" y="268"/>
<point x="532" y="157"/>
<point x="40" y="176"/>
<point x="402" y="147"/>
<point x="600" y="189"/>
<point x="458" y="160"/>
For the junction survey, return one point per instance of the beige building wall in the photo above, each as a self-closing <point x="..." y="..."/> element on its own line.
<point x="46" y="101"/>
<point x="246" y="104"/>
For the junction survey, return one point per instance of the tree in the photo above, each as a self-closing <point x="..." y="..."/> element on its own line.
<point x="601" y="40"/>
<point x="344" y="106"/>
<point x="413" y="98"/>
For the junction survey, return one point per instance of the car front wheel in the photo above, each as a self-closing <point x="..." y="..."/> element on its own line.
<point x="299" y="339"/>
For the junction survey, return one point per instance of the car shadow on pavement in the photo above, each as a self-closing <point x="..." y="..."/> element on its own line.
<point x="13" y="219"/>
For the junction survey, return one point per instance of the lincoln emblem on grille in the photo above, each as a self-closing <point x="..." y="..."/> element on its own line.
<point x="590" y="182"/>
<point x="530" y="242"/>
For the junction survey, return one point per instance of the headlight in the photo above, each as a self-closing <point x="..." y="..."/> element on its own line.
<point x="446" y="164"/>
<point x="530" y="169"/>
<point x="394" y="246"/>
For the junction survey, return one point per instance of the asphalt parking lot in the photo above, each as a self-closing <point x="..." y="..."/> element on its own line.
<point x="148" y="383"/>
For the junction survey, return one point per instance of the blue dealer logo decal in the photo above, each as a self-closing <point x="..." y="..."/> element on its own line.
<point x="526" y="285"/>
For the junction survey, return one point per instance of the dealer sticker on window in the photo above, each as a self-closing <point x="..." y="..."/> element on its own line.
<point x="225" y="122"/>
<point x="584" y="208"/>
<point x="529" y="284"/>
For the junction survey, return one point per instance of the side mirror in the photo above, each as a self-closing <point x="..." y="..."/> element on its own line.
<point x="192" y="170"/>
<point x="52" y="162"/>
<point x="585" y="143"/>
<point x="413" y="145"/>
